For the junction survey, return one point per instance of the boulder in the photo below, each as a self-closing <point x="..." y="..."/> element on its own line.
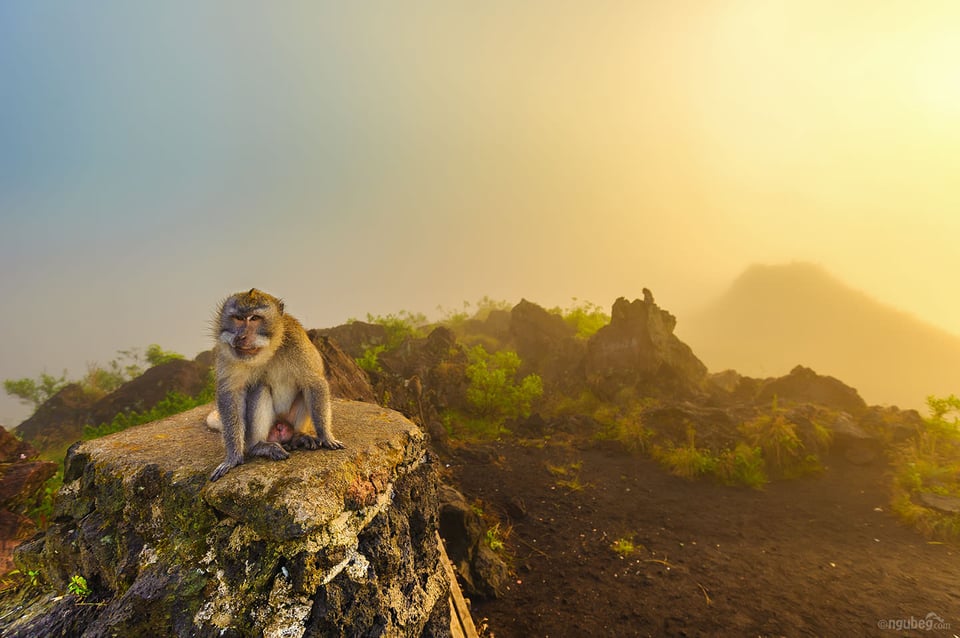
<point x="324" y="543"/>
<point x="144" y="392"/>
<point x="21" y="482"/>
<point x="548" y="346"/>
<point x="482" y="572"/>
<point x="346" y="379"/>
<point x="355" y="337"/>
<point x="853" y="442"/>
<point x="60" y="420"/>
<point x="803" y="385"/>
<point x="639" y="350"/>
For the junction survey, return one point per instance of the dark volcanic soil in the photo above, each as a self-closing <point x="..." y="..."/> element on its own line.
<point x="820" y="556"/>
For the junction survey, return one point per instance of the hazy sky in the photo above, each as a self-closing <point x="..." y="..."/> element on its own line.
<point x="377" y="156"/>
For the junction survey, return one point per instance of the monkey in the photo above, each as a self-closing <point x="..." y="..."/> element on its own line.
<point x="271" y="389"/>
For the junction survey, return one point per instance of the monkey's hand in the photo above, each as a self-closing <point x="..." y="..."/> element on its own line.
<point x="227" y="465"/>
<point x="302" y="441"/>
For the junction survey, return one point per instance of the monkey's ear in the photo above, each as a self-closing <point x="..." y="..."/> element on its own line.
<point x="280" y="305"/>
<point x="252" y="290"/>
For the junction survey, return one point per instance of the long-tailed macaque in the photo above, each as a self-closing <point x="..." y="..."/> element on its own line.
<point x="272" y="392"/>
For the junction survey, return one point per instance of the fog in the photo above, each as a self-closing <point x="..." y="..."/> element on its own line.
<point x="154" y="159"/>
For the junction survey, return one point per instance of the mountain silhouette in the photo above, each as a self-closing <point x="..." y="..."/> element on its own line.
<point x="775" y="317"/>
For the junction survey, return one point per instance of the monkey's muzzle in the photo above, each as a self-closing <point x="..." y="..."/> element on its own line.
<point x="246" y="352"/>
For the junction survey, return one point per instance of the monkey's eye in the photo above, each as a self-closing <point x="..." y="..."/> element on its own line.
<point x="256" y="318"/>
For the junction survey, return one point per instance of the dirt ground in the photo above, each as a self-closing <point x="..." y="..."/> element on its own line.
<point x="819" y="556"/>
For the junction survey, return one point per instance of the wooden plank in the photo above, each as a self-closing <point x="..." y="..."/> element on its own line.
<point x="461" y="622"/>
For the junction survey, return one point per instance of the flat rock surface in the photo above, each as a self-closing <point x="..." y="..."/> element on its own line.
<point x="181" y="447"/>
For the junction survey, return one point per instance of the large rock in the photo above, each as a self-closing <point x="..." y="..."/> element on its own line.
<point x="803" y="385"/>
<point x="150" y="388"/>
<point x="60" y="420"/>
<point x="324" y="543"/>
<point x="347" y="380"/>
<point x="21" y="481"/>
<point x="547" y="346"/>
<point x="483" y="573"/>
<point x="639" y="350"/>
<point x="355" y="337"/>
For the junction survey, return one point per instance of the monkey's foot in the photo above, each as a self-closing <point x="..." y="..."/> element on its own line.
<point x="332" y="444"/>
<point x="269" y="450"/>
<point x="310" y="442"/>
<point x="225" y="467"/>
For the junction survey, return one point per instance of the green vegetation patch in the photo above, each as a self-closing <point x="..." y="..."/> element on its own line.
<point x="399" y="327"/>
<point x="584" y="316"/>
<point x="929" y="464"/>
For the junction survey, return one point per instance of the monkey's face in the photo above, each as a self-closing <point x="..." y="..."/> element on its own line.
<point x="248" y="321"/>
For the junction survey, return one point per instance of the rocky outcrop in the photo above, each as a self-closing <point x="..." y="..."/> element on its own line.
<point x="324" y="543"/>
<point x="547" y="346"/>
<point x="60" y="420"/>
<point x="346" y="379"/>
<point x="150" y="388"/>
<point x="482" y="572"/>
<point x="355" y="337"/>
<point x="639" y="350"/>
<point x="21" y="477"/>
<point x="424" y="376"/>
<point x="803" y="385"/>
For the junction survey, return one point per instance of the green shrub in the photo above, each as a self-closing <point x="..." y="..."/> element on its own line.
<point x="585" y="317"/>
<point x="624" y="423"/>
<point x="742" y="465"/>
<point x="156" y="355"/>
<point x="688" y="462"/>
<point x="399" y="327"/>
<point x="37" y="391"/>
<point x="493" y="391"/>
<point x="930" y="464"/>
<point x="370" y="359"/>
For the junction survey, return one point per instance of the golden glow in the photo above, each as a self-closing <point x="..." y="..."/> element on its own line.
<point x="936" y="70"/>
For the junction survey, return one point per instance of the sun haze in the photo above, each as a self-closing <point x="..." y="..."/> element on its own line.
<point x="156" y="158"/>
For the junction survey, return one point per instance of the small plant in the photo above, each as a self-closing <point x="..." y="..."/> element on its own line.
<point x="625" y="424"/>
<point x="568" y="476"/>
<point x="776" y="436"/>
<point x="43" y="510"/>
<point x="33" y="577"/>
<point x="369" y="361"/>
<point x="742" y="465"/>
<point x="493" y="538"/>
<point x="78" y="587"/>
<point x="624" y="547"/>
<point x="688" y="461"/>
<point x="467" y="428"/>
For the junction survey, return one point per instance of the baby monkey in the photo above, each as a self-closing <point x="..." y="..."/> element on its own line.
<point x="272" y="391"/>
